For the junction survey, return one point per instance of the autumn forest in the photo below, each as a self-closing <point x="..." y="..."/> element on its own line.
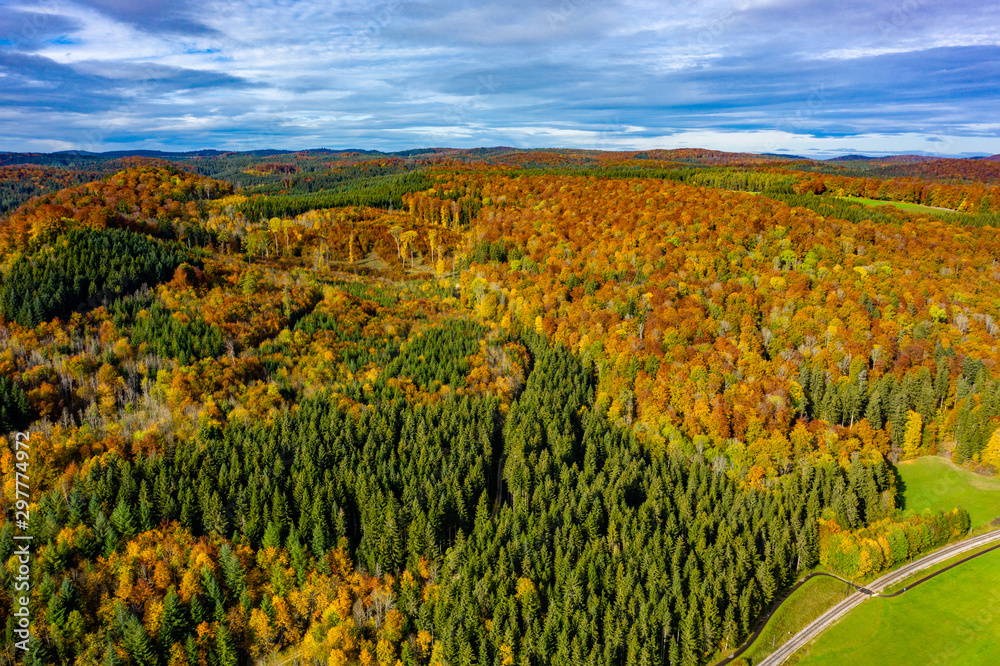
<point x="487" y="406"/>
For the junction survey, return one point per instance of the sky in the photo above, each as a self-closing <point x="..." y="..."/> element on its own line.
<point x="805" y="77"/>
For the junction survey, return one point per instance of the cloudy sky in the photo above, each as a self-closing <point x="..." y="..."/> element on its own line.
<point x="803" y="76"/>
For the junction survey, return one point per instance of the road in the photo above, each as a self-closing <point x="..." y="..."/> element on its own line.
<point x="851" y="602"/>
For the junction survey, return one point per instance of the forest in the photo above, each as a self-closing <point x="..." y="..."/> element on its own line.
<point x="476" y="407"/>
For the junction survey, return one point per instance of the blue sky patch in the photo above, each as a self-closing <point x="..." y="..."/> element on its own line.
<point x="804" y="76"/>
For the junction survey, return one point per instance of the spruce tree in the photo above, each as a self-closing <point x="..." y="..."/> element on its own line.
<point x="173" y="622"/>
<point x="135" y="641"/>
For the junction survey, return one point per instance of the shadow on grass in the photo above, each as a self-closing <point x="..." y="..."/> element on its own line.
<point x="900" y="489"/>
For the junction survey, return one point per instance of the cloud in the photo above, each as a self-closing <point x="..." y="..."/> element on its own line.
<point x="28" y="30"/>
<point x="38" y="82"/>
<point x="154" y="16"/>
<point x="504" y="25"/>
<point x="158" y="79"/>
<point x="399" y="73"/>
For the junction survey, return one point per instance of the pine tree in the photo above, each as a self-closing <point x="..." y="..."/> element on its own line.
<point x="690" y="638"/>
<point x="272" y="536"/>
<point x="214" y="593"/>
<point x="123" y="519"/>
<point x="225" y="651"/>
<point x="874" y="411"/>
<point x="232" y="571"/>
<point x="214" y="515"/>
<point x="111" y="656"/>
<point x="197" y="611"/>
<point x="898" y="417"/>
<point x="15" y="412"/>
<point x="925" y="401"/>
<point x="298" y="555"/>
<point x="191" y="649"/>
<point x="390" y="547"/>
<point x="711" y="626"/>
<point x="173" y="621"/>
<point x="674" y="653"/>
<point x="942" y="379"/>
<point x="135" y="641"/>
<point x="851" y="507"/>
<point x="6" y="541"/>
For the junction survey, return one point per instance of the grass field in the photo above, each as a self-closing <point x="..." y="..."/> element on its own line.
<point x="906" y="582"/>
<point x="909" y="207"/>
<point x="952" y="619"/>
<point x="931" y="483"/>
<point x="809" y="602"/>
<point x="934" y="483"/>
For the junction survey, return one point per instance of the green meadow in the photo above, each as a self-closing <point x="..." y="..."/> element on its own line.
<point x="951" y="619"/>
<point x="806" y="603"/>
<point x="935" y="483"/>
<point x="909" y="207"/>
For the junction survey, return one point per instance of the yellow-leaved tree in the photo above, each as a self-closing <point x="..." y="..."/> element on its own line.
<point x="911" y="439"/>
<point x="991" y="454"/>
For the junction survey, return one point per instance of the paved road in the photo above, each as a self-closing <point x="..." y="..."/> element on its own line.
<point x="774" y="607"/>
<point x="826" y="619"/>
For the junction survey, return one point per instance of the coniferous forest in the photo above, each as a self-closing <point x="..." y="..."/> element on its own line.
<point x="476" y="407"/>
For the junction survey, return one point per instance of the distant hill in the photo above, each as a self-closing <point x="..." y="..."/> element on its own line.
<point x="904" y="159"/>
<point x="209" y="152"/>
<point x="909" y="158"/>
<point x="965" y="170"/>
<point x="258" y="168"/>
<point x="786" y="157"/>
<point x="140" y="153"/>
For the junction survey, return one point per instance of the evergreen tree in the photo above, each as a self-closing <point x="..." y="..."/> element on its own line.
<point x="135" y="640"/>
<point x="15" y="412"/>
<point x="232" y="571"/>
<point x="225" y="652"/>
<point x="173" y="622"/>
